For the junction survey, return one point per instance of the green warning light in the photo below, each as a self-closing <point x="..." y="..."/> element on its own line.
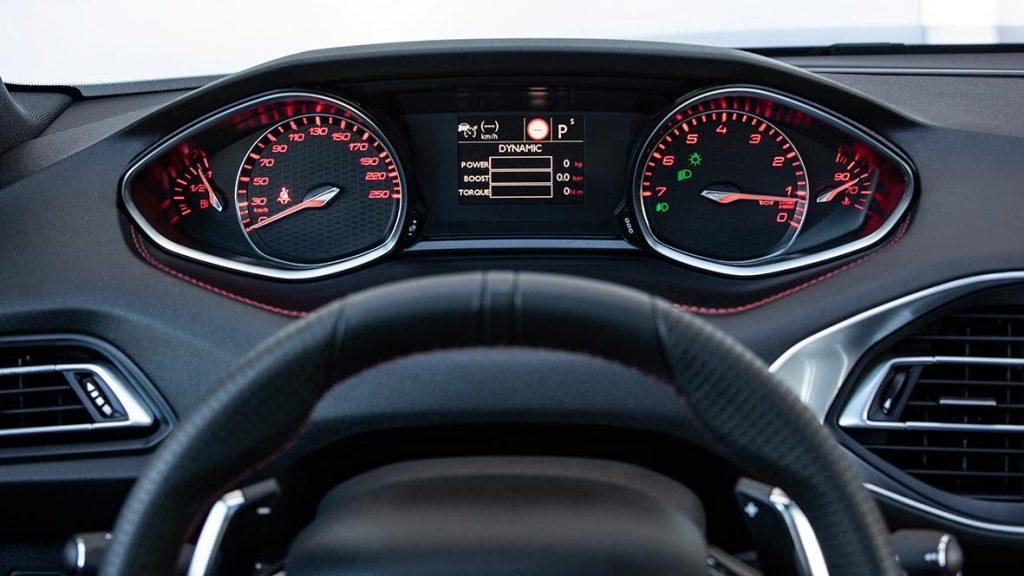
<point x="695" y="159"/>
<point x="661" y="207"/>
<point x="684" y="174"/>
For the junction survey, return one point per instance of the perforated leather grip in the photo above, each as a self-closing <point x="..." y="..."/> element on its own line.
<point x="747" y="416"/>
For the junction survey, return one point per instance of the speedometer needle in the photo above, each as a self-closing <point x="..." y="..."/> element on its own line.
<point x="828" y="196"/>
<point x="316" y="198"/>
<point x="724" y="197"/>
<point x="214" y="200"/>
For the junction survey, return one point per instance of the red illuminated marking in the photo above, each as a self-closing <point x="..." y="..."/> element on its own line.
<point x="243" y="204"/>
<point x="247" y="166"/>
<point x="243" y="178"/>
<point x="645" y="194"/>
<point x="342" y="125"/>
<point x="382" y="154"/>
<point x="685" y="128"/>
<point x="175" y="218"/>
<point x="167" y="204"/>
<point x="180" y="181"/>
<point x="243" y="191"/>
<point x="791" y="154"/>
<point x="293" y="125"/>
<point x="365" y="134"/>
<point x="656" y="155"/>
<point x="177" y="198"/>
<point x="271" y="138"/>
<point x="794" y="224"/>
<point x="396" y="196"/>
<point x="317" y="120"/>
<point x="254" y="156"/>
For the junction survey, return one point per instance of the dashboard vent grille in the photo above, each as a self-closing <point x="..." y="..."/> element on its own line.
<point x="948" y="407"/>
<point x="32" y="400"/>
<point x="48" y="389"/>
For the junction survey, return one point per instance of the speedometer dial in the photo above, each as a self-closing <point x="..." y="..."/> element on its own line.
<point x="723" y="184"/>
<point x="319" y="188"/>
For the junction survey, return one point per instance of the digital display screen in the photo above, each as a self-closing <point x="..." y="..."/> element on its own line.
<point x="520" y="159"/>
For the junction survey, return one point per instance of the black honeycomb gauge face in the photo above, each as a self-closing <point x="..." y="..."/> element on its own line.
<point x="319" y="188"/>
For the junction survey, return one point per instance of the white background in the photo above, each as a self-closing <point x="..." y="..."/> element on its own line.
<point x="90" y="41"/>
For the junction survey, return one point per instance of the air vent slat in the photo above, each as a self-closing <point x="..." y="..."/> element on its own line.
<point x="35" y="390"/>
<point x="969" y="372"/>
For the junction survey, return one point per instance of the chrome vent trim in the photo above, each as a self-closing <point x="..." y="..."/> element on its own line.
<point x="856" y="412"/>
<point x="816" y="367"/>
<point x="135" y="412"/>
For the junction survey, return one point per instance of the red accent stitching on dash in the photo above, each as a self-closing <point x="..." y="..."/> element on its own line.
<point x="141" y="247"/>
<point x="702" y="310"/>
<point x="768" y="300"/>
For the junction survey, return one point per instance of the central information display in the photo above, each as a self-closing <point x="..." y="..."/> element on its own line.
<point x="520" y="159"/>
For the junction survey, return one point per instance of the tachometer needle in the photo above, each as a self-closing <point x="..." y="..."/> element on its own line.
<point x="316" y="198"/>
<point x="214" y="200"/>
<point x="725" y="197"/>
<point x="829" y="196"/>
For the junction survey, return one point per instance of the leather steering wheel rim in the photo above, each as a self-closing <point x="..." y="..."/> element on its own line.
<point x="747" y="416"/>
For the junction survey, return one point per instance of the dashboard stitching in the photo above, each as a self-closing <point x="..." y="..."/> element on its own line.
<point x="789" y="291"/>
<point x="141" y="247"/>
<point x="702" y="310"/>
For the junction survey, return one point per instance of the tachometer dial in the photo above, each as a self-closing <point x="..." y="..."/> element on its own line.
<point x="319" y="188"/>
<point x="723" y="184"/>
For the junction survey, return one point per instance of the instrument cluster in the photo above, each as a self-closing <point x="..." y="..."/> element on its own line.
<point x="738" y="181"/>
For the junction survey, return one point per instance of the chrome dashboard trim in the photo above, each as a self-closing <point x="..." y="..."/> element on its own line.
<point x="772" y="267"/>
<point x="136" y="413"/>
<point x="815" y="368"/>
<point x="943" y="514"/>
<point x="299" y="273"/>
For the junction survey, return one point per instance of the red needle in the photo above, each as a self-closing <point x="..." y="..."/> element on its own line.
<point x="318" y="199"/>
<point x="723" y="197"/>
<point x="828" y="196"/>
<point x="214" y="201"/>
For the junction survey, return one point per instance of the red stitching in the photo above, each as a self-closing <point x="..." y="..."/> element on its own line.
<point x="769" y="299"/>
<point x="141" y="247"/>
<point x="703" y="310"/>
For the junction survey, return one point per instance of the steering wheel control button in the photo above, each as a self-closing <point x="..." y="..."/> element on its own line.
<point x="782" y="535"/>
<point x="927" y="553"/>
<point x="236" y="529"/>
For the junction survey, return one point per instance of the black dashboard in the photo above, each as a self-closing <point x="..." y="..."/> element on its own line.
<point x="182" y="225"/>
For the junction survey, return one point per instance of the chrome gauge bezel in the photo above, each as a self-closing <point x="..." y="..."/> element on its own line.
<point x="772" y="264"/>
<point x="292" y="271"/>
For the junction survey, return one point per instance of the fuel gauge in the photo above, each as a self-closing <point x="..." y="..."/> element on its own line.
<point x="191" y="188"/>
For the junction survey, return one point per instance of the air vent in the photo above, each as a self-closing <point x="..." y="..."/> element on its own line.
<point x="49" y="389"/>
<point x="949" y="410"/>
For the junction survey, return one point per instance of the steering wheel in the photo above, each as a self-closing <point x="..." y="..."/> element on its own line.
<point x="740" y="410"/>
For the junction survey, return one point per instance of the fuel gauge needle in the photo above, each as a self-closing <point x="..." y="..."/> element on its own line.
<point x="316" y="198"/>
<point x="214" y="200"/>
<point x="725" y="197"/>
<point x="829" y="196"/>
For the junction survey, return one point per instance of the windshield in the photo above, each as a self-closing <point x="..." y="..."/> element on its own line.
<point x="75" y="42"/>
